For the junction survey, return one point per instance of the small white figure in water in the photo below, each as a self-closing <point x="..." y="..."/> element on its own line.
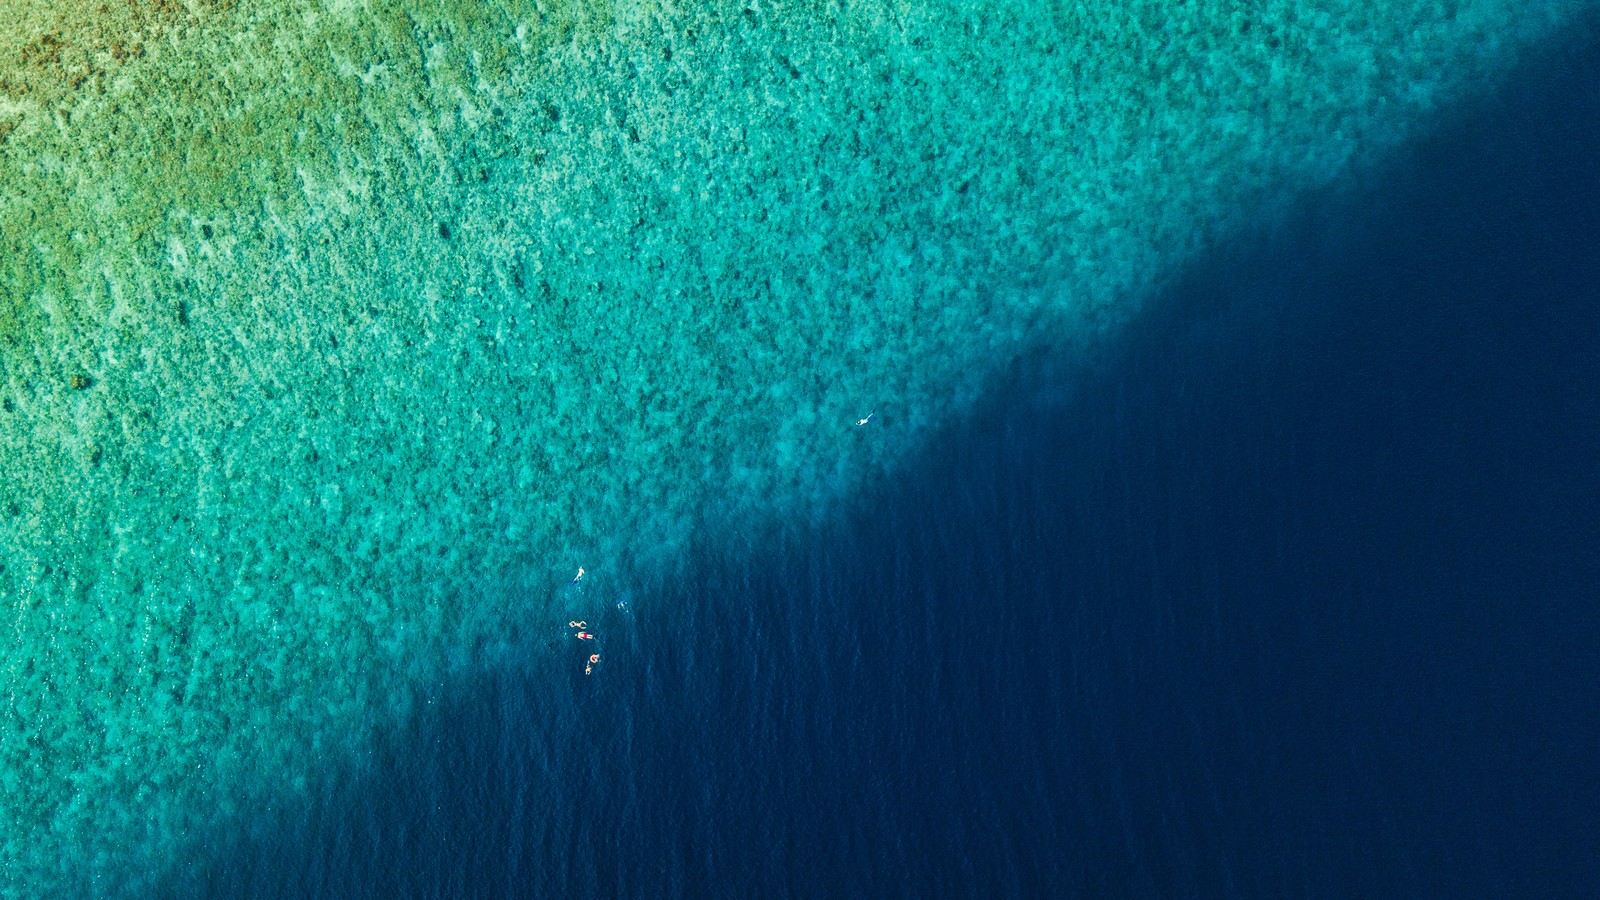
<point x="578" y="577"/>
<point x="622" y="604"/>
<point x="860" y="422"/>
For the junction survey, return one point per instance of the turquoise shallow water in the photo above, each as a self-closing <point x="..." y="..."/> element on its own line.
<point x="337" y="336"/>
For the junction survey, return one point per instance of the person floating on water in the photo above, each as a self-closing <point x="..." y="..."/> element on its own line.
<point x="585" y="636"/>
<point x="860" y="422"/>
<point x="577" y="624"/>
<point x="578" y="577"/>
<point x="594" y="658"/>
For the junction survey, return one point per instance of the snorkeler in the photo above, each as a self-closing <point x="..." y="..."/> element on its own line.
<point x="578" y="577"/>
<point x="860" y="422"/>
<point x="593" y="659"/>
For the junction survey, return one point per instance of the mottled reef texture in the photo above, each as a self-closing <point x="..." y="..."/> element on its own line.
<point x="333" y="335"/>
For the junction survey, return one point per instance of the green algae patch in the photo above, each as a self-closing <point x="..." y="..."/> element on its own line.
<point x="333" y="336"/>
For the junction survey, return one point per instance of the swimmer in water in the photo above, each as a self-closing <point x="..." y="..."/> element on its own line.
<point x="578" y="577"/>
<point x="577" y="624"/>
<point x="585" y="636"/>
<point x="860" y="422"/>
<point x="593" y="658"/>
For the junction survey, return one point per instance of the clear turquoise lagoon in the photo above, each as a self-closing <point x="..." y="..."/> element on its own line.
<point x="336" y="336"/>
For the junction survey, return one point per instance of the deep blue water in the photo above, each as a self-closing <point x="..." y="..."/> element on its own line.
<point x="1292" y="590"/>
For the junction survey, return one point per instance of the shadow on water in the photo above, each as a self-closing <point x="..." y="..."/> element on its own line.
<point x="1289" y="592"/>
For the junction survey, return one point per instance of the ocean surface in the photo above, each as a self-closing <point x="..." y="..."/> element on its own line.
<point x="1290" y="588"/>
